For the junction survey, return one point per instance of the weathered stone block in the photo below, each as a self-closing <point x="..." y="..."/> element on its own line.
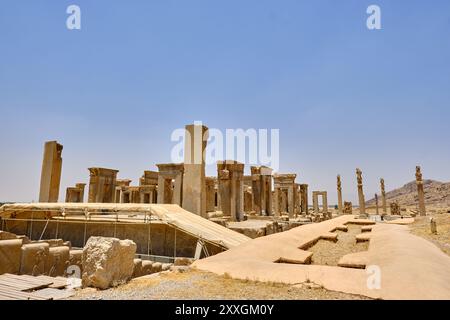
<point x="33" y="259"/>
<point x="156" y="267"/>
<point x="57" y="261"/>
<point x="137" y="271"/>
<point x="7" y="235"/>
<point x="184" y="261"/>
<point x="10" y="256"/>
<point x="107" y="262"/>
<point x="147" y="267"/>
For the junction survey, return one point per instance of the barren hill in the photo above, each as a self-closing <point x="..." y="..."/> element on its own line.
<point x="436" y="194"/>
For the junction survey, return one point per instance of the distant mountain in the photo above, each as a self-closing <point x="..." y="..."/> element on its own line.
<point x="436" y="193"/>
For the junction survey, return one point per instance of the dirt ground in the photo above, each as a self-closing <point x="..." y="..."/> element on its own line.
<point x="199" y="285"/>
<point x="421" y="227"/>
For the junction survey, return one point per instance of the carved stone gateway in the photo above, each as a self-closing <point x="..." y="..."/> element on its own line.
<point x="284" y="195"/>
<point x="118" y="189"/>
<point x="420" y="192"/>
<point x="231" y="188"/>
<point x="102" y="185"/>
<point x="148" y="184"/>
<point x="317" y="211"/>
<point x="75" y="194"/>
<point x="51" y="172"/>
<point x="170" y="183"/>
<point x="262" y="190"/>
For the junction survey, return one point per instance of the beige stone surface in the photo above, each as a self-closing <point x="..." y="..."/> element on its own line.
<point x="76" y="258"/>
<point x="146" y="267"/>
<point x="34" y="258"/>
<point x="10" y="252"/>
<point x="107" y="262"/>
<point x="137" y="269"/>
<point x="7" y="235"/>
<point x="57" y="261"/>
<point x="411" y="267"/>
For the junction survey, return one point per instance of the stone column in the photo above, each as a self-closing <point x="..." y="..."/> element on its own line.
<point x="257" y="190"/>
<point x="51" y="172"/>
<point x="291" y="201"/>
<point x="210" y="194"/>
<point x="339" y="194"/>
<point x="276" y="198"/>
<point x="376" y="204"/>
<point x="304" y="198"/>
<point x="262" y="190"/>
<point x="194" y="188"/>
<point x="383" y="196"/>
<point x="362" y="205"/>
<point x="420" y="192"/>
<point x="325" y="205"/>
<point x="316" y="203"/>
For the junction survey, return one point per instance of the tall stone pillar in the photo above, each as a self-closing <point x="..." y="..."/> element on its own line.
<point x="420" y="192"/>
<point x="316" y="203"/>
<point x="210" y="194"/>
<point x="383" y="196"/>
<point x="276" y="199"/>
<point x="325" y="204"/>
<point x="362" y="204"/>
<point x="339" y="194"/>
<point x="231" y="187"/>
<point x="304" y="199"/>
<point x="194" y="187"/>
<point x="51" y="172"/>
<point x="262" y="190"/>
<point x="376" y="204"/>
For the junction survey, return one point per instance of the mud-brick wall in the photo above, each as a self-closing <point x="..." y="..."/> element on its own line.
<point x="163" y="240"/>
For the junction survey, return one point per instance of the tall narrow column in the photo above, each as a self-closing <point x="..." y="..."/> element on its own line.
<point x="316" y="203"/>
<point x="376" y="204"/>
<point x="420" y="192"/>
<point x="339" y="194"/>
<point x="383" y="196"/>
<point x="304" y="200"/>
<point x="51" y="172"/>
<point x="362" y="205"/>
<point x="194" y="187"/>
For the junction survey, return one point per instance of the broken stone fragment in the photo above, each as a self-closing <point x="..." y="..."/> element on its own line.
<point x="107" y="262"/>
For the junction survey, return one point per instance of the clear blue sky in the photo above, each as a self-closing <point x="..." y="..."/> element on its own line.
<point x="342" y="96"/>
